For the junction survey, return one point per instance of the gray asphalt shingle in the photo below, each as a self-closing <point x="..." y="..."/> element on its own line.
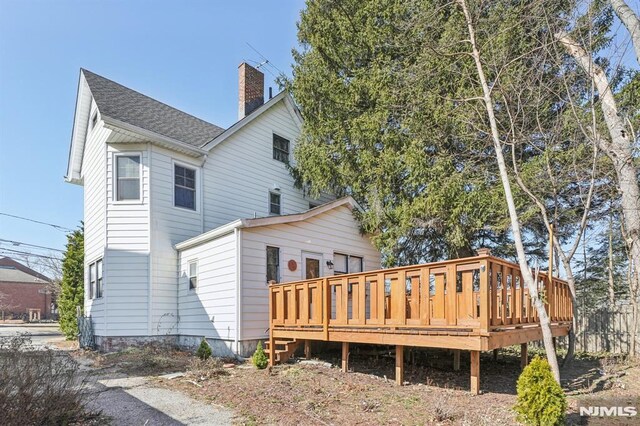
<point x="121" y="103"/>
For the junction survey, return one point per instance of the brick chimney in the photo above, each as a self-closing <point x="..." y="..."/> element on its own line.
<point x="250" y="90"/>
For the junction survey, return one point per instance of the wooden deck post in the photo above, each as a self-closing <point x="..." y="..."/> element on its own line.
<point x="399" y="365"/>
<point x="345" y="357"/>
<point x="307" y="349"/>
<point x="524" y="357"/>
<point x="475" y="372"/>
<point x="456" y="359"/>
<point x="495" y="354"/>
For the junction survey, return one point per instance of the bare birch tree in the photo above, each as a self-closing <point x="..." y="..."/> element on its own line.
<point x="527" y="276"/>
<point x="619" y="146"/>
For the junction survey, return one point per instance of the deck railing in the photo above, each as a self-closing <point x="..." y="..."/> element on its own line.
<point x="482" y="293"/>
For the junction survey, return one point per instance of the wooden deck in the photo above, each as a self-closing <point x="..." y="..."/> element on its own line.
<point x="475" y="304"/>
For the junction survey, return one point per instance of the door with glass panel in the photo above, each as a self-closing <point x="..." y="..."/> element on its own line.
<point x="311" y="265"/>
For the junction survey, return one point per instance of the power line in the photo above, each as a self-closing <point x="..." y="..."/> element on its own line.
<point x="19" y="243"/>
<point x="11" y="252"/>
<point x="266" y="61"/>
<point x="58" y="227"/>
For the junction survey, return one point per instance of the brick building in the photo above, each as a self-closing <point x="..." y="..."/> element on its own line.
<point x="24" y="293"/>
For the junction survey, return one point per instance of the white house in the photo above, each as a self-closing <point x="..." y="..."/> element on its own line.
<point x="186" y="222"/>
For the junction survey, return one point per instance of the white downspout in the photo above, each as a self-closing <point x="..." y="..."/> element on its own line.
<point x="238" y="235"/>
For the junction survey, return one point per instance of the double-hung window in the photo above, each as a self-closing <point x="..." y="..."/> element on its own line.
<point x="95" y="279"/>
<point x="280" y="148"/>
<point x="127" y="177"/>
<point x="273" y="264"/>
<point x="275" y="203"/>
<point x="184" y="187"/>
<point x="99" y="278"/>
<point x="346" y="264"/>
<point x="193" y="275"/>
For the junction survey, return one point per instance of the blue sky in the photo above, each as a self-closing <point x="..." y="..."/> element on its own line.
<point x="182" y="53"/>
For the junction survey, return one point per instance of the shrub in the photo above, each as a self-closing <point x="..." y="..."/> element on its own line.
<point x="541" y="400"/>
<point x="72" y="286"/>
<point x="204" y="350"/>
<point x="40" y="386"/>
<point x="259" y="358"/>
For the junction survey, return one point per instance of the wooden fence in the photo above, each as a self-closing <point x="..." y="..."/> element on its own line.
<point x="605" y="330"/>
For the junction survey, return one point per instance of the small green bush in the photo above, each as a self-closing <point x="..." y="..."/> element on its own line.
<point x="204" y="350"/>
<point x="259" y="358"/>
<point x="541" y="401"/>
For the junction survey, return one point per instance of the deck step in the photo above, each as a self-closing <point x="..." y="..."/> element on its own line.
<point x="282" y="355"/>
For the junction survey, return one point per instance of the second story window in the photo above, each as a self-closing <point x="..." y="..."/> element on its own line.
<point x="280" y="148"/>
<point x="275" y="205"/>
<point x="185" y="187"/>
<point x="127" y="177"/>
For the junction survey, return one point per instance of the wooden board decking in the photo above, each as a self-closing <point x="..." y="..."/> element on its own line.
<point x="475" y="304"/>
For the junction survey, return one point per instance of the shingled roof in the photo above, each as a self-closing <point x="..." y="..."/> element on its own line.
<point x="123" y="104"/>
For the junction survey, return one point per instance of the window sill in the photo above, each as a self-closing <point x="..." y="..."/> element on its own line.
<point x="128" y="203"/>
<point x="186" y="209"/>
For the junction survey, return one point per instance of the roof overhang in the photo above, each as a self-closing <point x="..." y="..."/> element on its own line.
<point x="154" y="137"/>
<point x="267" y="221"/>
<point x="282" y="96"/>
<point x="78" y="133"/>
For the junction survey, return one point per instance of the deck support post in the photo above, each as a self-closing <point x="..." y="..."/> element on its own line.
<point x="456" y="360"/>
<point x="475" y="372"/>
<point x="495" y="354"/>
<point x="399" y="365"/>
<point x="307" y="349"/>
<point x="524" y="357"/>
<point x="272" y="349"/>
<point x="345" y="357"/>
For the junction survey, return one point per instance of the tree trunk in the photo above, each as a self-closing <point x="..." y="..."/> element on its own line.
<point x="547" y="336"/>
<point x="619" y="149"/>
<point x="571" y="281"/>
<point x="631" y="21"/>
<point x="612" y="294"/>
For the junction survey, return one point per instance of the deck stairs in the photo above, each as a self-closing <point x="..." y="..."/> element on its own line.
<point x="284" y="349"/>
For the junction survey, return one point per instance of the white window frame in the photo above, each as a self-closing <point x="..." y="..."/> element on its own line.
<point x="114" y="168"/>
<point x="198" y="188"/>
<point x="273" y="148"/>
<point x="348" y="256"/>
<point x="189" y="276"/>
<point x="94" y="119"/>
<point x="279" y="265"/>
<point x="92" y="287"/>
<point x="99" y="279"/>
<point x="279" y="194"/>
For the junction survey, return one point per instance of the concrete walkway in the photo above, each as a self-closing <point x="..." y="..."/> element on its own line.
<point x="134" y="401"/>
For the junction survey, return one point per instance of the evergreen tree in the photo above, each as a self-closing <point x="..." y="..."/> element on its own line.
<point x="72" y="287"/>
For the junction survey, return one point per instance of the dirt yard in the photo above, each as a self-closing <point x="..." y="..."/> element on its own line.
<point x="317" y="392"/>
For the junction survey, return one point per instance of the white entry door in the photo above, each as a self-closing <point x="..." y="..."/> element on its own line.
<point x="311" y="265"/>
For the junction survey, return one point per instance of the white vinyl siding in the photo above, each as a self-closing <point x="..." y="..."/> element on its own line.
<point x="126" y="260"/>
<point x="170" y="225"/>
<point x="210" y="309"/>
<point x="95" y="205"/>
<point x="335" y="231"/>
<point x="241" y="171"/>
